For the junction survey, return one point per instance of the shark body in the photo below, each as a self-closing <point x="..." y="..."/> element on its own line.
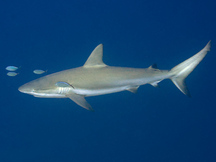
<point x="96" y="78"/>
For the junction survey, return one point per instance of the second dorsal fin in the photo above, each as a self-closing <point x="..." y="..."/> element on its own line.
<point x="153" y="66"/>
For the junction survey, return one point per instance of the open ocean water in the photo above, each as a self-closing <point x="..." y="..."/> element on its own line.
<point x="154" y="125"/>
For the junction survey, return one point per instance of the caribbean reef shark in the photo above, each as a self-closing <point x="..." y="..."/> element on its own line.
<point x="96" y="78"/>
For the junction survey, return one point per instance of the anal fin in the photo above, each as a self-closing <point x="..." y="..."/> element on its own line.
<point x="154" y="84"/>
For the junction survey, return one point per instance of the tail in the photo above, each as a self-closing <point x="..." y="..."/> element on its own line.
<point x="182" y="70"/>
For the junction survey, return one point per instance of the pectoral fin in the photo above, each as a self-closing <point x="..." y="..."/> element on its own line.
<point x="80" y="100"/>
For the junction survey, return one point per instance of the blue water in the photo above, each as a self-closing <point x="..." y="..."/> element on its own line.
<point x="154" y="125"/>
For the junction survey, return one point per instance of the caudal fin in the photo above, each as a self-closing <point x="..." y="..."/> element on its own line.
<point x="182" y="70"/>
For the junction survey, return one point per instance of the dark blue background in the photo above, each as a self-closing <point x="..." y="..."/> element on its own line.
<point x="156" y="124"/>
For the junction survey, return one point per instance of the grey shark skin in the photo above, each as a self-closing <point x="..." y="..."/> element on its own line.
<point x="96" y="78"/>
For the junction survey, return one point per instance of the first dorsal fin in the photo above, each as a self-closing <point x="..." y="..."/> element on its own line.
<point x="96" y="58"/>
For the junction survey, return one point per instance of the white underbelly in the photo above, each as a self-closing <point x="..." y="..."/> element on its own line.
<point x="50" y="95"/>
<point x="96" y="92"/>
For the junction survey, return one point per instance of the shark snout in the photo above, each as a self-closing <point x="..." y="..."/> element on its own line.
<point x="21" y="89"/>
<point x="25" y="89"/>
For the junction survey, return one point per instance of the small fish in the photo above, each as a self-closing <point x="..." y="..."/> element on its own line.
<point x="63" y="84"/>
<point x="11" y="68"/>
<point x="39" y="71"/>
<point x="12" y="73"/>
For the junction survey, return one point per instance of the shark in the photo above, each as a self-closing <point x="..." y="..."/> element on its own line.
<point x="96" y="78"/>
